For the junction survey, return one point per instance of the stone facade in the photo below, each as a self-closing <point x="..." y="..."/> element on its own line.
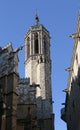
<point x="8" y="84"/>
<point x="71" y="111"/>
<point x="38" y="69"/>
<point x="8" y="60"/>
<point x="26" y="106"/>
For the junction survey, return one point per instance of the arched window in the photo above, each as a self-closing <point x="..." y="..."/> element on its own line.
<point x="28" y="47"/>
<point x="36" y="46"/>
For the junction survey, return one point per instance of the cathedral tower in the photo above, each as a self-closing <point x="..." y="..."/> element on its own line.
<point x="38" y="69"/>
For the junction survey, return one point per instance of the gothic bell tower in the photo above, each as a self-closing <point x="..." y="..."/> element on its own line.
<point x="38" y="69"/>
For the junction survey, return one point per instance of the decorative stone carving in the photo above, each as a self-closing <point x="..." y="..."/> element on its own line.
<point x="8" y="60"/>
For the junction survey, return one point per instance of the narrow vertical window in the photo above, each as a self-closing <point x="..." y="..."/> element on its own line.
<point x="36" y="46"/>
<point x="28" y="47"/>
<point x="44" y="45"/>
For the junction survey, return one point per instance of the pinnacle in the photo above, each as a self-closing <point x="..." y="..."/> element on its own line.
<point x="36" y="19"/>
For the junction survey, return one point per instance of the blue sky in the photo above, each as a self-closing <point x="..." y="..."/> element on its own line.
<point x="60" y="18"/>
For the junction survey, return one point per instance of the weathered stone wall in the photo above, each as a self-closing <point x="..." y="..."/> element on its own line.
<point x="8" y="60"/>
<point x="26" y="107"/>
<point x="72" y="105"/>
<point x="8" y="84"/>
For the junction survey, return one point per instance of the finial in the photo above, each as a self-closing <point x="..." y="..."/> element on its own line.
<point x="36" y="18"/>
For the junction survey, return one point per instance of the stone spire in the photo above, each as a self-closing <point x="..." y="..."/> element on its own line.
<point x="36" y="19"/>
